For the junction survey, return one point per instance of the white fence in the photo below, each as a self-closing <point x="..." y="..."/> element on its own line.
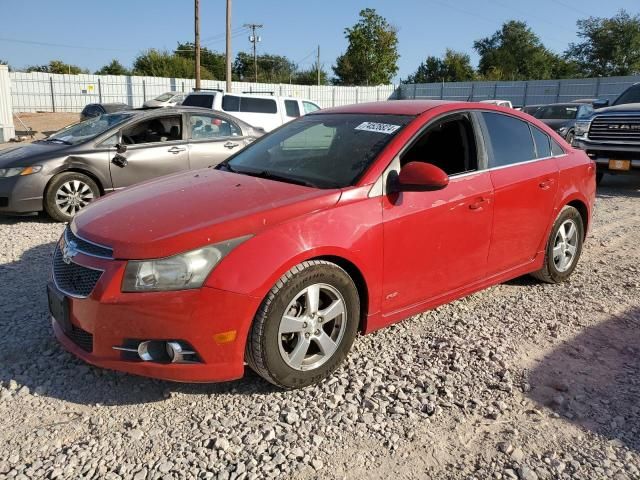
<point x="44" y="92"/>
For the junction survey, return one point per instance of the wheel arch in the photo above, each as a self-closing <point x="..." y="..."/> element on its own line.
<point x="82" y="171"/>
<point x="584" y="213"/>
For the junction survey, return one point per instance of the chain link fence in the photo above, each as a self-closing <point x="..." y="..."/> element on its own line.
<point x="44" y="92"/>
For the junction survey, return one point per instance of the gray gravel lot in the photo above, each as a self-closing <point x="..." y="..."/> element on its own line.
<point x="521" y="381"/>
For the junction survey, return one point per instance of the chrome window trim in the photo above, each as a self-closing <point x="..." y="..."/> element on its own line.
<point x="92" y="243"/>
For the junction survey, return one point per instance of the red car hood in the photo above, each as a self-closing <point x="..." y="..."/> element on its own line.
<point x="185" y="211"/>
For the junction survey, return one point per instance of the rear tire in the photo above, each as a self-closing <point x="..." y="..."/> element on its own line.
<point x="305" y="326"/>
<point x="564" y="247"/>
<point x="67" y="194"/>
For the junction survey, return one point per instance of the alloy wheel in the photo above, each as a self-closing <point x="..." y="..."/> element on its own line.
<point x="565" y="245"/>
<point x="72" y="196"/>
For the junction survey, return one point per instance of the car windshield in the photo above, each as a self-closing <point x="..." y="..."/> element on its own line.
<point x="558" y="112"/>
<point x="165" y="97"/>
<point x="632" y="95"/>
<point x="91" y="128"/>
<point x="319" y="150"/>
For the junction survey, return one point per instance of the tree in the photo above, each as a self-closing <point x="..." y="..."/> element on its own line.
<point x="611" y="46"/>
<point x="516" y="53"/>
<point x="271" y="68"/>
<point x="214" y="62"/>
<point x="57" y="66"/>
<point x="310" y="76"/>
<point x="454" y="67"/>
<point x="372" y="55"/>
<point x="113" y="68"/>
<point x="4" y="62"/>
<point x="154" y="63"/>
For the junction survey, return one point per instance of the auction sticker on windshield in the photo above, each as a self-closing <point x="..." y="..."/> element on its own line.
<point x="385" y="128"/>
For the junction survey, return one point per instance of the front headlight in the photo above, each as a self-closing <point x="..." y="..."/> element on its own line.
<point x="22" y="171"/>
<point x="582" y="128"/>
<point x="180" y="272"/>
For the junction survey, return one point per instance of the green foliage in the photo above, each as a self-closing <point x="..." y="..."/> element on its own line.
<point x="372" y="55"/>
<point x="610" y="46"/>
<point x="113" y="68"/>
<point x="154" y="63"/>
<point x="310" y="77"/>
<point x="57" y="66"/>
<point x="214" y="62"/>
<point x="453" y="67"/>
<point x="516" y="53"/>
<point x="271" y="68"/>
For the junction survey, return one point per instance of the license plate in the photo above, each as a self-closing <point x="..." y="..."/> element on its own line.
<point x="59" y="308"/>
<point x="619" y="164"/>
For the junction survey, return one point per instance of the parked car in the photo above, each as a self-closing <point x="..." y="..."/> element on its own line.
<point x="345" y="220"/>
<point x="96" y="109"/>
<point x="530" y="109"/>
<point x="265" y="111"/>
<point x="611" y="136"/>
<point x="66" y="171"/>
<point x="562" y="117"/>
<point x="499" y="103"/>
<point x="167" y="99"/>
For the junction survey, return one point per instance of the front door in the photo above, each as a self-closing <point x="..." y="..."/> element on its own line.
<point x="438" y="242"/>
<point x="155" y="147"/>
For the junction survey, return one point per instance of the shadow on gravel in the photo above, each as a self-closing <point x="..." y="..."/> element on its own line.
<point x="593" y="380"/>
<point x="30" y="354"/>
<point x="619" y="186"/>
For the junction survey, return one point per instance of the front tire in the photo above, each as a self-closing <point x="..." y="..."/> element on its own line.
<point x="305" y="326"/>
<point x="67" y="194"/>
<point x="564" y="247"/>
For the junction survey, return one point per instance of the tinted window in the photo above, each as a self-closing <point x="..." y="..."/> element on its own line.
<point x="632" y="95"/>
<point x="231" y="103"/>
<point x="310" y="107"/>
<point x="556" y="149"/>
<point x="542" y="141"/>
<point x="199" y="100"/>
<point x="326" y="151"/>
<point x="211" y="126"/>
<point x="292" y="108"/>
<point x="258" y="105"/>
<point x="558" y="112"/>
<point x="510" y="140"/>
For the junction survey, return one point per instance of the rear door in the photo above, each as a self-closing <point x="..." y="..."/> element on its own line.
<point x="525" y="180"/>
<point x="212" y="139"/>
<point x="155" y="146"/>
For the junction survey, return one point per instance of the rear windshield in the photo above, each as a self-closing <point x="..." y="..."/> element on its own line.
<point x="165" y="97"/>
<point x="199" y="100"/>
<point x="320" y="150"/>
<point x="558" y="112"/>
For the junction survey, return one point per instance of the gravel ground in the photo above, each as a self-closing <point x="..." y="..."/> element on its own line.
<point x="521" y="381"/>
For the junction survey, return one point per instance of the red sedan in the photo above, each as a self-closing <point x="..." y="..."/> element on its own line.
<point x="344" y="221"/>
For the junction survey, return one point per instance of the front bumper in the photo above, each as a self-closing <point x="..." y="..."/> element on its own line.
<point x="601" y="153"/>
<point x="22" y="194"/>
<point x="113" y="318"/>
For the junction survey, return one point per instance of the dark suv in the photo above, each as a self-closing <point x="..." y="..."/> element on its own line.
<point x="611" y="136"/>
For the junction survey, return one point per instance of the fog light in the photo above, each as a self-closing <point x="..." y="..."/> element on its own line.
<point x="151" y="351"/>
<point x="177" y="353"/>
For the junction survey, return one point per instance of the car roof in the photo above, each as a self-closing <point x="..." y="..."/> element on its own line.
<point x="565" y="104"/>
<point x="392" y="107"/>
<point x="178" y="109"/>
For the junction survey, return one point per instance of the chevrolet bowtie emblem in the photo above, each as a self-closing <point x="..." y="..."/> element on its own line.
<point x="69" y="251"/>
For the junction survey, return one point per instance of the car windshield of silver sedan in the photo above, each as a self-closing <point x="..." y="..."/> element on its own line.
<point x="83" y="131"/>
<point x="319" y="150"/>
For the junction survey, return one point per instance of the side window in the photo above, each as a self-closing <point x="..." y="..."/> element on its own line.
<point x="231" y="103"/>
<point x="449" y="144"/>
<point x="310" y="107"/>
<point x="542" y="141"/>
<point x="258" y="105"/>
<point x="291" y="108"/>
<point x="556" y="149"/>
<point x="198" y="100"/>
<point x="111" y="141"/>
<point x="211" y="126"/>
<point x="158" y="129"/>
<point x="510" y="140"/>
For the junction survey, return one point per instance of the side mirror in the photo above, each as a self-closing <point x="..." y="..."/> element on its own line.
<point x="121" y="147"/>
<point x="421" y="177"/>
<point x="600" y="103"/>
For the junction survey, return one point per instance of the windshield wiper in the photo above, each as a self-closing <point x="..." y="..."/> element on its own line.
<point x="274" y="176"/>
<point x="226" y="166"/>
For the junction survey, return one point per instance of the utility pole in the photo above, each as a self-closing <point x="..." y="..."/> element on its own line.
<point x="254" y="39"/>
<point x="318" y="65"/>
<point x="197" y="41"/>
<point x="228" y="59"/>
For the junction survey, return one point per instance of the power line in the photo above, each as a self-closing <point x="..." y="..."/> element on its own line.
<point x="61" y="45"/>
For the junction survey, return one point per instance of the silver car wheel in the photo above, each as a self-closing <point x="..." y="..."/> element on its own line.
<point x="565" y="246"/>
<point x="312" y="327"/>
<point x="73" y="196"/>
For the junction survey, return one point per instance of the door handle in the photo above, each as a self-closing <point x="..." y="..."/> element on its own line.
<point x="546" y="185"/>
<point x="231" y="145"/>
<point x="477" y="204"/>
<point x="175" y="150"/>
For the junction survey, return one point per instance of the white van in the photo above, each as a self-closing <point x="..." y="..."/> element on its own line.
<point x="259" y="110"/>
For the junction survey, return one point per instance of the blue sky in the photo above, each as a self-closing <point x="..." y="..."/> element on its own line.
<point x="100" y="31"/>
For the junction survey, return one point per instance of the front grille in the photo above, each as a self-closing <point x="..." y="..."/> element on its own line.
<point x="86" y="247"/>
<point x="616" y="128"/>
<point x="73" y="279"/>
<point x="81" y="338"/>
